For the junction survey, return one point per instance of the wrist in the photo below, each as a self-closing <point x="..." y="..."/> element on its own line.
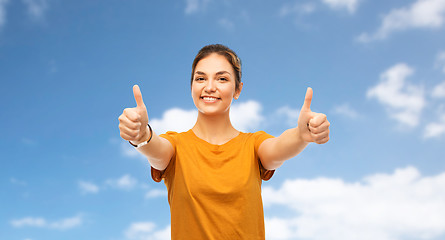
<point x="300" y="133"/>
<point x="146" y="137"/>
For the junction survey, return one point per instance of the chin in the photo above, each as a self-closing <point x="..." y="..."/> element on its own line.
<point x="213" y="112"/>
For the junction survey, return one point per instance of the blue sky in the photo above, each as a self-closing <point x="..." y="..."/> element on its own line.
<point x="377" y="69"/>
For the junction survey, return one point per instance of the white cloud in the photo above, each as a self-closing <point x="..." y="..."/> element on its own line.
<point x="306" y="8"/>
<point x="29" y="221"/>
<point x="277" y="228"/>
<point x="66" y="223"/>
<point x="350" y="5"/>
<point x="401" y="205"/>
<point x="290" y="115"/>
<point x="193" y="6"/>
<point x="346" y="111"/>
<point x="36" y="8"/>
<point x="246" y="116"/>
<point x="427" y="14"/>
<point x="3" y="12"/>
<point x="88" y="187"/>
<point x="175" y="119"/>
<point x="147" y="231"/>
<point x="154" y="193"/>
<point x="404" y="102"/>
<point x="126" y="182"/>
<point x="62" y="224"/>
<point x="435" y="129"/>
<point x="439" y="91"/>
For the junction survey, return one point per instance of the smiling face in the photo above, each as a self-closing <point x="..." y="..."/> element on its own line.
<point x="213" y="86"/>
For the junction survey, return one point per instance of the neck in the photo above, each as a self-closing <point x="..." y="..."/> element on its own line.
<point x="214" y="129"/>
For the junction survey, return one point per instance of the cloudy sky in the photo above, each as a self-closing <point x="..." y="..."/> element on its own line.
<point x="377" y="69"/>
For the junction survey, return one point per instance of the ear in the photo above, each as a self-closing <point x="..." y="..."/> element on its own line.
<point x="238" y="92"/>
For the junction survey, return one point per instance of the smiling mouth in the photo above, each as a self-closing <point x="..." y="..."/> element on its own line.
<point x="210" y="99"/>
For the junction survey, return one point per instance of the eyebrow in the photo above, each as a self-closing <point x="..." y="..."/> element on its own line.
<point x="218" y="73"/>
<point x="222" y="72"/>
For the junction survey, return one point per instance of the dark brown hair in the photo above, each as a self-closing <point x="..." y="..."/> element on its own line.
<point x="222" y="50"/>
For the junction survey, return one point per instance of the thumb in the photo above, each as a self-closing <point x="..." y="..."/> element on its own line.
<point x="138" y="96"/>
<point x="307" y="99"/>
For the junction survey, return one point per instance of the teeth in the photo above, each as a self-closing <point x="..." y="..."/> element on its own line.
<point x="209" y="98"/>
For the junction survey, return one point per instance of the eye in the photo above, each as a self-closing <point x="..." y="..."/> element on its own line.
<point x="223" y="79"/>
<point x="199" y="79"/>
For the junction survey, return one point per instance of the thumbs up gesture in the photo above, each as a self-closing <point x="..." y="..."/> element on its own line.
<point x="133" y="121"/>
<point x="313" y="127"/>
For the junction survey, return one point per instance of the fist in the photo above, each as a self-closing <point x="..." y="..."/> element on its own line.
<point x="133" y="121"/>
<point x="313" y="127"/>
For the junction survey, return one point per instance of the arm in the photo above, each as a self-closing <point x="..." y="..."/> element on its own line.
<point x="312" y="127"/>
<point x="133" y="127"/>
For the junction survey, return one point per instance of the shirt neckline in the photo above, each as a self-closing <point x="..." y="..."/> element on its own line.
<point x="214" y="146"/>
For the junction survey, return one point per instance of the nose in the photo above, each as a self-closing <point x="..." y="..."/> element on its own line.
<point x="210" y="86"/>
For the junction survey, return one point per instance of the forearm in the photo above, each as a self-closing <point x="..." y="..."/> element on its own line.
<point x="312" y="127"/>
<point x="288" y="145"/>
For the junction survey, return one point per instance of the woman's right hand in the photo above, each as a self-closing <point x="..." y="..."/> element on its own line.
<point x="133" y="121"/>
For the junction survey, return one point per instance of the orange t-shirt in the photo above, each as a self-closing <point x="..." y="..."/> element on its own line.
<point x="214" y="191"/>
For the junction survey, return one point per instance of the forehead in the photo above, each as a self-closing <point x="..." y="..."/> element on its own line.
<point x="214" y="63"/>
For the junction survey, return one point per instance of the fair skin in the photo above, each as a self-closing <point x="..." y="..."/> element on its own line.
<point x="213" y="90"/>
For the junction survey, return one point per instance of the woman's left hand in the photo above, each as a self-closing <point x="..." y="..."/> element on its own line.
<point x="313" y="127"/>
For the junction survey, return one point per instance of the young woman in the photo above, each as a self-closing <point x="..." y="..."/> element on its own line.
<point x="213" y="172"/>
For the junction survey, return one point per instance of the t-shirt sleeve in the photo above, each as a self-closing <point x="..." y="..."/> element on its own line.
<point x="260" y="136"/>
<point x="158" y="175"/>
